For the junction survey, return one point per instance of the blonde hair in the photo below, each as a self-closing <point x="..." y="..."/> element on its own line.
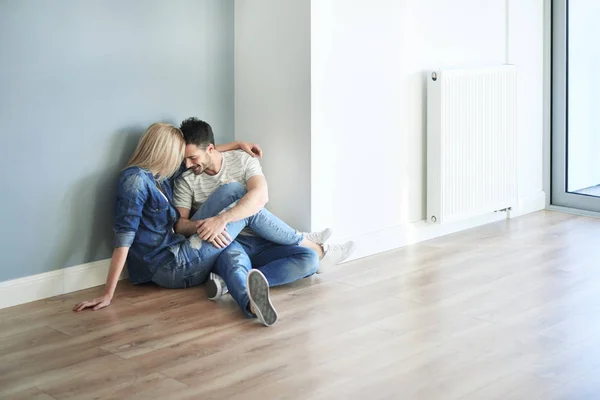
<point x="161" y="150"/>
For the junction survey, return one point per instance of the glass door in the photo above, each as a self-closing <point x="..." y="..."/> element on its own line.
<point x="576" y="104"/>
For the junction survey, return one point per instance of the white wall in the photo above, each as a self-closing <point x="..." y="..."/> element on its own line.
<point x="584" y="97"/>
<point x="369" y="59"/>
<point x="369" y="105"/>
<point x="272" y="98"/>
<point x="365" y="76"/>
<point x="526" y="50"/>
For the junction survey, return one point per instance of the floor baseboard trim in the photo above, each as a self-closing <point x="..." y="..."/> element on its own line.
<point x="404" y="235"/>
<point x="529" y="204"/>
<point x="373" y="243"/>
<point x="54" y="283"/>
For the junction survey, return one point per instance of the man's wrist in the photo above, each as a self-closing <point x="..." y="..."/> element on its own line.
<point x="225" y="217"/>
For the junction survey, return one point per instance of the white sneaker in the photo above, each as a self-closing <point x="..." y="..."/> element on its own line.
<point x="319" y="237"/>
<point x="335" y="254"/>
<point x="258" y="292"/>
<point x="215" y="287"/>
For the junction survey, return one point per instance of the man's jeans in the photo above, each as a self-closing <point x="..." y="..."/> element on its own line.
<point x="280" y="264"/>
<point x="195" y="258"/>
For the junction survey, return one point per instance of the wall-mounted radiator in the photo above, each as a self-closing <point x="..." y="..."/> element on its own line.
<point x="471" y="142"/>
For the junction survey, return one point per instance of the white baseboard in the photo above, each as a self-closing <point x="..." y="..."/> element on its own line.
<point x="529" y="204"/>
<point x="72" y="279"/>
<point x="54" y="283"/>
<point x="404" y="235"/>
<point x="393" y="238"/>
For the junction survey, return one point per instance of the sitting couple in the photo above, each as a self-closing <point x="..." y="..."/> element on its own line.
<point x="247" y="247"/>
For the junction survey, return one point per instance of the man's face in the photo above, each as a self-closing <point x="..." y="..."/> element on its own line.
<point x="197" y="159"/>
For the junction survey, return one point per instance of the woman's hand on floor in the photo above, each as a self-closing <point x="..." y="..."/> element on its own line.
<point x="97" y="303"/>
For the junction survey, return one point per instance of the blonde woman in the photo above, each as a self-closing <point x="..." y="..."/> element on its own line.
<point x="144" y="221"/>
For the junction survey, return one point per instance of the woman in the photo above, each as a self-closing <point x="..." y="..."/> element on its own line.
<point x="144" y="221"/>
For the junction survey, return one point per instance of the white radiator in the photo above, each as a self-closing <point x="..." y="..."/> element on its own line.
<point x="471" y="142"/>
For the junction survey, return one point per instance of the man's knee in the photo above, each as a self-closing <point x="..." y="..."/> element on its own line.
<point x="223" y="198"/>
<point x="235" y="190"/>
<point x="232" y="255"/>
<point x="231" y="259"/>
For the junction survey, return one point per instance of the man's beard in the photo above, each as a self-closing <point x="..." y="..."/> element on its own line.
<point x="198" y="169"/>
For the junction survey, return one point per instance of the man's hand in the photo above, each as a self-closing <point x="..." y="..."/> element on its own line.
<point x="222" y="240"/>
<point x="210" y="228"/>
<point x="253" y="149"/>
<point x="97" y="303"/>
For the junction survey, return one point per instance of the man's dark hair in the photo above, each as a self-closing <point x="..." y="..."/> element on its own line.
<point x="197" y="132"/>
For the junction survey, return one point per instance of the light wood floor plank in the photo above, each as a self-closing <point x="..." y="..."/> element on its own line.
<point x="31" y="394"/>
<point x="504" y="311"/>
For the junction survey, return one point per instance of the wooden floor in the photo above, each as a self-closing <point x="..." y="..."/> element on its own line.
<point x="507" y="311"/>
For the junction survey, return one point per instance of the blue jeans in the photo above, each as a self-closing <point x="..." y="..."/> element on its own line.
<point x="280" y="264"/>
<point x="194" y="258"/>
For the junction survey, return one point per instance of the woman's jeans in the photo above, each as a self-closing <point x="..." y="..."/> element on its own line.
<point x="194" y="258"/>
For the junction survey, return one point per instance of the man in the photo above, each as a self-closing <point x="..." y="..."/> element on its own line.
<point x="250" y="264"/>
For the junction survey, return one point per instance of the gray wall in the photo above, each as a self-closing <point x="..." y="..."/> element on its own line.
<point x="79" y="82"/>
<point x="273" y="98"/>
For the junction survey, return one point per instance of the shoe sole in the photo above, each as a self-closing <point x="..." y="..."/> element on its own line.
<point x="258" y="291"/>
<point x="213" y="289"/>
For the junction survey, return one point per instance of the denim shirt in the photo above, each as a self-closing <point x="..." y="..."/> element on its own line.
<point x="144" y="222"/>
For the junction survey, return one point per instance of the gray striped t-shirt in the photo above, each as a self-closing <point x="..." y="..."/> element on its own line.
<point x="191" y="191"/>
